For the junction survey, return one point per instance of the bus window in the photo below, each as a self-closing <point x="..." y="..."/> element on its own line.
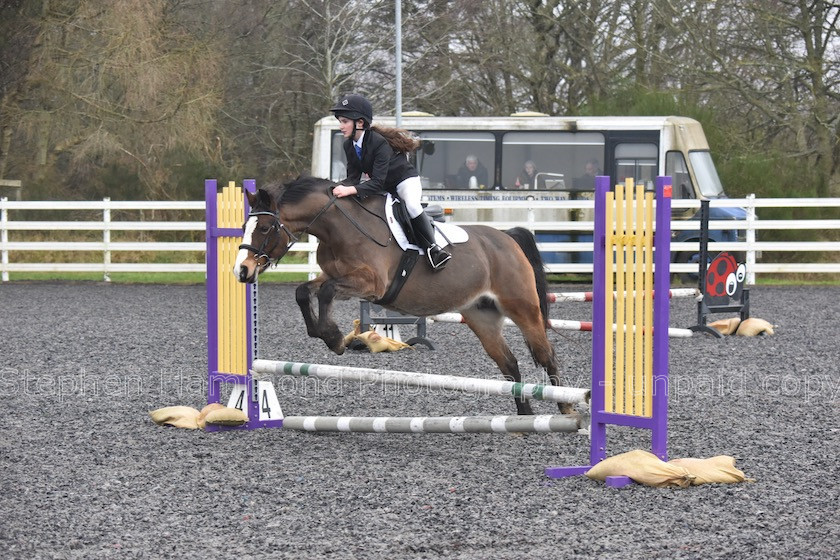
<point x="441" y="159"/>
<point x="559" y="159"/>
<point x="707" y="176"/>
<point x="338" y="161"/>
<point x="675" y="167"/>
<point x="635" y="161"/>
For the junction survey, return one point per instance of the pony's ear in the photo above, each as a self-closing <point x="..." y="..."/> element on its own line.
<point x="259" y="199"/>
<point x="264" y="198"/>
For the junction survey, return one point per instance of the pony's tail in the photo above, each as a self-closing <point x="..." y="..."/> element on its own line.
<point x="525" y="239"/>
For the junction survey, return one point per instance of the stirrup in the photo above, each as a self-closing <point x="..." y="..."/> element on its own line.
<point x="437" y="257"/>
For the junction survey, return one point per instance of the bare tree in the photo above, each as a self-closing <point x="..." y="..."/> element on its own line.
<point x="119" y="81"/>
<point x="772" y="67"/>
<point x="17" y="37"/>
<point x="151" y="85"/>
<point x="500" y="56"/>
<point x="289" y="62"/>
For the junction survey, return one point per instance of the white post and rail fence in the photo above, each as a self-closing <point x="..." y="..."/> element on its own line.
<point x="28" y="239"/>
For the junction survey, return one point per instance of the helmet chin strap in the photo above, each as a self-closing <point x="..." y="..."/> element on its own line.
<point x="356" y="131"/>
<point x="356" y="127"/>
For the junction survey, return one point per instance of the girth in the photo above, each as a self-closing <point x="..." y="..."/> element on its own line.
<point x="407" y="262"/>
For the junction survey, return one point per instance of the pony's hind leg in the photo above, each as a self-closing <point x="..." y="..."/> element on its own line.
<point x="531" y="324"/>
<point x="486" y="322"/>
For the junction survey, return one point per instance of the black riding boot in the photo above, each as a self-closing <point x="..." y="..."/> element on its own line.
<point x="425" y="237"/>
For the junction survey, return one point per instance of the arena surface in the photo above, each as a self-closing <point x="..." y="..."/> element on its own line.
<point x="86" y="474"/>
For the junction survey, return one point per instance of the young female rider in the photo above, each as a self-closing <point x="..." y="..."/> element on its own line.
<point x="387" y="167"/>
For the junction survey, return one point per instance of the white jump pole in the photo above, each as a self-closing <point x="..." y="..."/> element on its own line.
<point x="450" y="382"/>
<point x="435" y="424"/>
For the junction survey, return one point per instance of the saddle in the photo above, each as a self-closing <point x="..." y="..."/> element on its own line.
<point x="400" y="224"/>
<point x="399" y="221"/>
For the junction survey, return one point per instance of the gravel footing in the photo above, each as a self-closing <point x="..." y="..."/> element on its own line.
<point x="86" y="474"/>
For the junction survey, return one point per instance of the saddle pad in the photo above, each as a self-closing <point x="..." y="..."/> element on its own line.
<point x="444" y="233"/>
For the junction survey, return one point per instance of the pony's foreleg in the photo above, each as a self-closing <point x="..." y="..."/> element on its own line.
<point x="487" y="326"/>
<point x="303" y="296"/>
<point x="327" y="329"/>
<point x="320" y="325"/>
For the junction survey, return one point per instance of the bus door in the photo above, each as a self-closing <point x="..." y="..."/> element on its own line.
<point x="634" y="156"/>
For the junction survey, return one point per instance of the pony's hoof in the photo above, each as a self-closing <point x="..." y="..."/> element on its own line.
<point x="338" y="348"/>
<point x="524" y="410"/>
<point x="335" y="343"/>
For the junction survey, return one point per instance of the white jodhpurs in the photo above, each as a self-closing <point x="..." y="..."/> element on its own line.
<point x="409" y="192"/>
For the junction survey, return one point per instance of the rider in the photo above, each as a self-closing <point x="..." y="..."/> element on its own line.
<point x="388" y="169"/>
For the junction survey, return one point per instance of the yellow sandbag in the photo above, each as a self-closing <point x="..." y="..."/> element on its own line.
<point x="226" y="416"/>
<point x="720" y="469"/>
<point x="643" y="467"/>
<point x="202" y="416"/>
<point x="379" y="343"/>
<point x="754" y="327"/>
<point x="351" y="336"/>
<point x="373" y="340"/>
<point x="726" y="326"/>
<point x="177" y="416"/>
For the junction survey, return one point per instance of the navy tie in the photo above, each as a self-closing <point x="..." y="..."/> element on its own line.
<point x="358" y="151"/>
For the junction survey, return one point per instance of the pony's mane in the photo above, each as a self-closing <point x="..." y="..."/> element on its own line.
<point x="295" y="191"/>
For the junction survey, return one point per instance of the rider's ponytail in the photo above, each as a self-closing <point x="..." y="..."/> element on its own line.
<point x="400" y="140"/>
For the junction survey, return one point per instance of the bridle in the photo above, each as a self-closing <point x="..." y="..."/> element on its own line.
<point x="261" y="253"/>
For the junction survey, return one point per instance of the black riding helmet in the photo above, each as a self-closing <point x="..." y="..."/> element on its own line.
<point x="354" y="106"/>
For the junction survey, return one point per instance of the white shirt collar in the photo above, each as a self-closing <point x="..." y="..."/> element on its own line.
<point x="359" y="141"/>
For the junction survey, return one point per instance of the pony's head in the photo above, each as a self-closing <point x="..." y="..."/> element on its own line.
<point x="264" y="238"/>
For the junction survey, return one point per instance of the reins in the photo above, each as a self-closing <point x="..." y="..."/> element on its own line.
<point x="358" y="226"/>
<point x="262" y="252"/>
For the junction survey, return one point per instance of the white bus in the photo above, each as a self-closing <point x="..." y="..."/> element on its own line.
<point x="560" y="149"/>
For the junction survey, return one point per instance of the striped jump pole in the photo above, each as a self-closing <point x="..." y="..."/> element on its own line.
<point x="629" y="366"/>
<point x="562" y="297"/>
<point x="433" y="381"/>
<point x="560" y="324"/>
<point x="435" y="425"/>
